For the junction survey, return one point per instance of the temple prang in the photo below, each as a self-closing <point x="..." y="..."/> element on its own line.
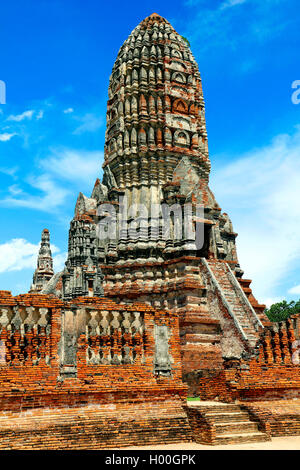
<point x="156" y="152"/>
<point x="44" y="271"/>
<point x="142" y="315"/>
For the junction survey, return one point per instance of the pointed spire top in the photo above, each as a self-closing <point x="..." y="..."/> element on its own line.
<point x="44" y="270"/>
<point x="45" y="249"/>
<point x="152" y="19"/>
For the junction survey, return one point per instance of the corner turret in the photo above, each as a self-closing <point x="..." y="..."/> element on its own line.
<point x="44" y="270"/>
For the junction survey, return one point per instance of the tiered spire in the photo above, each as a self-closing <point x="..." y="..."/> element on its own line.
<point x="155" y="112"/>
<point x="156" y="154"/>
<point x="44" y="270"/>
<point x="82" y="275"/>
<point x="156" y="149"/>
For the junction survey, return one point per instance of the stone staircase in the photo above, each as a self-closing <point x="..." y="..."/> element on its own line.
<point x="229" y="424"/>
<point x="234" y="299"/>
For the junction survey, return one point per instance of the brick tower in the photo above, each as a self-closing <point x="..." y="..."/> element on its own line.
<point x="156" y="152"/>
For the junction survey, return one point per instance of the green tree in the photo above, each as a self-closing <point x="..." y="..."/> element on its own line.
<point x="282" y="310"/>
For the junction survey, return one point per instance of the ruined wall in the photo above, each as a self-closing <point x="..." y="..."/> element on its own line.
<point x="280" y="417"/>
<point x="271" y="373"/>
<point x="175" y="285"/>
<point x="217" y="320"/>
<point x="89" y="358"/>
<point x="95" y="344"/>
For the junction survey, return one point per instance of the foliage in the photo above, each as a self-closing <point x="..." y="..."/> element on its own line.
<point x="282" y="310"/>
<point x="186" y="40"/>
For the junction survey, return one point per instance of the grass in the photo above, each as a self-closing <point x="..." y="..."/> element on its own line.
<point x="193" y="398"/>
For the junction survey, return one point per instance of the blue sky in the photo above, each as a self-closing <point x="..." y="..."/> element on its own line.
<point x="56" y="58"/>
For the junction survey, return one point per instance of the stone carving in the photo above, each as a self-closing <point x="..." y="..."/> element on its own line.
<point x="25" y="335"/>
<point x="69" y="344"/>
<point x="115" y="338"/>
<point x="162" y="361"/>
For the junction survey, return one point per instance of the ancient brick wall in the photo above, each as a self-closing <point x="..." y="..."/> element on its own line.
<point x="271" y="373"/>
<point x="95" y="343"/>
<point x="280" y="417"/>
<point x="174" y="285"/>
<point x="96" y="427"/>
<point x="210" y="316"/>
<point x="29" y="363"/>
<point x="117" y="360"/>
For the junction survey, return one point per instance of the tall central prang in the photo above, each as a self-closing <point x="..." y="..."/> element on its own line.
<point x="156" y="153"/>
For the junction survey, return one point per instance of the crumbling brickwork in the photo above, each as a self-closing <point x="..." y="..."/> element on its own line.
<point x="280" y="417"/>
<point x="271" y="372"/>
<point x="156" y="153"/>
<point x="98" y="354"/>
<point x="95" y="355"/>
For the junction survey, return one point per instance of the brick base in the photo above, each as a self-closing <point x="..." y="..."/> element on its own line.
<point x="281" y="417"/>
<point x="96" y="426"/>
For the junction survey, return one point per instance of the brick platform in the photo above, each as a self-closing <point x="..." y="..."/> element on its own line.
<point x="95" y="426"/>
<point x="281" y="417"/>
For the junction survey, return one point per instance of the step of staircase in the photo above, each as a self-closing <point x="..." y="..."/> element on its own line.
<point x="228" y="417"/>
<point x="212" y="408"/>
<point x="231" y="424"/>
<point x="241" y="438"/>
<point x="240" y="427"/>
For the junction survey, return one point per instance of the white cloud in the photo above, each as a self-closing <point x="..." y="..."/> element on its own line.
<point x="68" y="111"/>
<point x="49" y="190"/>
<point x="20" y="117"/>
<point x="18" y="254"/>
<point x="231" y="3"/>
<point x="5" y="137"/>
<point x="9" y="171"/>
<point x="40" y="115"/>
<point x="214" y="24"/>
<point x="90" y="122"/>
<point x="52" y="195"/>
<point x="74" y="165"/>
<point x="294" y="290"/>
<point x="261" y="191"/>
<point x="14" y="189"/>
<point x="59" y="261"/>
<point x="268" y="301"/>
